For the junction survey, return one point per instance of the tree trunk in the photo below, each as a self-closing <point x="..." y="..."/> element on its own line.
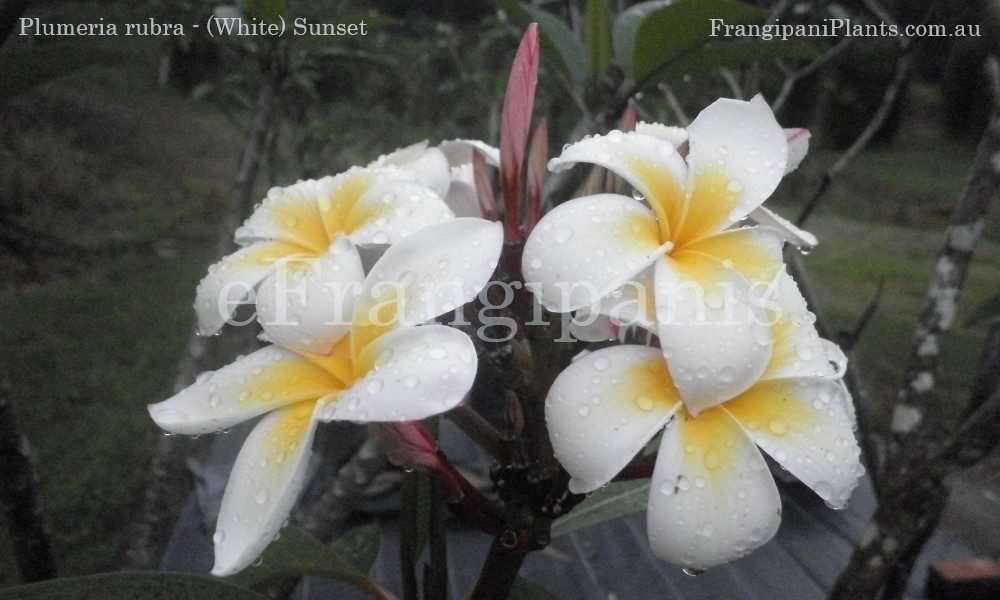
<point x="19" y="497"/>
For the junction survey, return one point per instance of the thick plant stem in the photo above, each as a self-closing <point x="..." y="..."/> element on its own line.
<point x="19" y="497"/>
<point x="500" y="570"/>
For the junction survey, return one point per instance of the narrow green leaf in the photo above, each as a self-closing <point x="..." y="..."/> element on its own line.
<point x="559" y="43"/>
<point x="609" y="502"/>
<point x="131" y="585"/>
<point x="679" y="29"/>
<point x="597" y="36"/>
<point x="986" y="313"/>
<point x="623" y="33"/>
<point x="297" y="553"/>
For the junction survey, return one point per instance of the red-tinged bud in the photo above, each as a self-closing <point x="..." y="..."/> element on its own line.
<point x="411" y="446"/>
<point x="628" y="119"/>
<point x="515" y="124"/>
<point x="537" y="159"/>
<point x="484" y="189"/>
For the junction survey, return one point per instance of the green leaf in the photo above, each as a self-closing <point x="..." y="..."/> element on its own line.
<point x="674" y="31"/>
<point x="131" y="585"/>
<point x="732" y="54"/>
<point x="558" y="40"/>
<point x="623" y="33"/>
<point x="987" y="313"/>
<point x="609" y="502"/>
<point x="597" y="36"/>
<point x="297" y="553"/>
<point x="525" y="589"/>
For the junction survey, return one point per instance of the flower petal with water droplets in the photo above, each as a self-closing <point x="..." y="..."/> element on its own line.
<point x="266" y="480"/>
<point x="713" y="329"/>
<point x="802" y="424"/>
<point x="391" y="210"/>
<point x="462" y="198"/>
<point x="253" y="385"/>
<point x="632" y="303"/>
<point x="408" y="375"/>
<point x="459" y="152"/>
<point x="428" y="274"/>
<point x="232" y="279"/>
<point x="316" y="296"/>
<point x="604" y="408"/>
<point x="676" y="136"/>
<point x="428" y="165"/>
<point x="797" y="350"/>
<point x="800" y="238"/>
<point x="798" y="146"/>
<point x="712" y="498"/>
<point x="737" y="158"/>
<point x="586" y="248"/>
<point x="288" y="214"/>
<point x="755" y="252"/>
<point x="651" y="165"/>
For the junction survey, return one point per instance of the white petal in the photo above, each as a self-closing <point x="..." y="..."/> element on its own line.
<point x="308" y="305"/>
<point x="390" y="210"/>
<point x="712" y="498"/>
<point x="836" y="358"/>
<point x="429" y="165"/>
<point x="585" y="248"/>
<point x="269" y="378"/>
<point x="797" y="350"/>
<point x="590" y="326"/>
<point x="677" y="136"/>
<point x="802" y="424"/>
<point x="713" y="329"/>
<point x="798" y="146"/>
<point x="426" y="275"/>
<point x="265" y="483"/>
<point x="789" y="232"/>
<point x="651" y="165"/>
<point x="459" y="152"/>
<point x="754" y="252"/>
<point x="737" y="157"/>
<point x="231" y="280"/>
<point x="289" y="214"/>
<point x="632" y="303"/>
<point x="604" y="408"/>
<point x="408" y="375"/>
<point x="462" y="198"/>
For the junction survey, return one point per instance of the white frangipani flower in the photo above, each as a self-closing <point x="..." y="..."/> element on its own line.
<point x="712" y="498"/>
<point x="679" y="255"/>
<point x="384" y="366"/>
<point x="308" y="225"/>
<point x="455" y="182"/>
<point x="798" y="147"/>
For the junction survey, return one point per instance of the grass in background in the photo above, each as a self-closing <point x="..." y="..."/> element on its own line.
<point x="107" y="159"/>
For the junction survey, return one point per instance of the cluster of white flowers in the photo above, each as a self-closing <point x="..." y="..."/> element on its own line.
<point x="734" y="362"/>
<point x="739" y="363"/>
